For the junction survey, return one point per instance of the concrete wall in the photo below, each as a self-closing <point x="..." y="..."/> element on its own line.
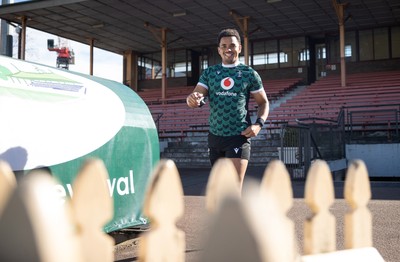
<point x="382" y="160"/>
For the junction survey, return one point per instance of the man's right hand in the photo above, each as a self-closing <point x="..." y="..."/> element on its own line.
<point x="194" y="99"/>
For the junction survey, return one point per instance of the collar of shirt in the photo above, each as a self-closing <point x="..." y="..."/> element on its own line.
<point x="231" y="65"/>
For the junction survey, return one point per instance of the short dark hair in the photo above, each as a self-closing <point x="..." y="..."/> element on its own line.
<point x="228" y="32"/>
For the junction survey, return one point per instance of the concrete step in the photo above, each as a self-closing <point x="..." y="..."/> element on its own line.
<point x="287" y="97"/>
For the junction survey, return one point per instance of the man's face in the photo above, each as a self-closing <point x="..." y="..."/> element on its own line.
<point x="229" y="49"/>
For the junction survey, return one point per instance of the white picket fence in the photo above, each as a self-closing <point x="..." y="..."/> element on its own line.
<point x="252" y="226"/>
<point x="37" y="225"/>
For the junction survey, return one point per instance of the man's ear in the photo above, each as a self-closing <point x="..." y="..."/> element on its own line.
<point x="219" y="51"/>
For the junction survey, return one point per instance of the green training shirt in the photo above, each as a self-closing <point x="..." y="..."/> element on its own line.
<point x="229" y="88"/>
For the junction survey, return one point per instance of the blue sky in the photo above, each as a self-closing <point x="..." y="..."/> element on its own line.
<point x="106" y="64"/>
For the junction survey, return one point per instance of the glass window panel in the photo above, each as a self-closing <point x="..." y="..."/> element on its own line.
<point x="271" y="49"/>
<point x="286" y="55"/>
<point x="347" y="51"/>
<point x="299" y="55"/>
<point x="259" y="58"/>
<point x="350" y="46"/>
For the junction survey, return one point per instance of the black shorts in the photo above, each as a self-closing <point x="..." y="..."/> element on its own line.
<point x="228" y="146"/>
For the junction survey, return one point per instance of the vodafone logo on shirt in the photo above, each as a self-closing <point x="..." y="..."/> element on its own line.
<point x="227" y="83"/>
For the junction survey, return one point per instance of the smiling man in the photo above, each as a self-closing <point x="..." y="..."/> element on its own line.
<point x="228" y="87"/>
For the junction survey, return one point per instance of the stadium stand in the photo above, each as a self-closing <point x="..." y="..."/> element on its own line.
<point x="173" y="95"/>
<point x="175" y="120"/>
<point x="376" y="93"/>
<point x="279" y="87"/>
<point x="325" y="98"/>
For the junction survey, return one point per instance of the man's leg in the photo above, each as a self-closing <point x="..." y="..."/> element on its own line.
<point x="241" y="167"/>
<point x="238" y="150"/>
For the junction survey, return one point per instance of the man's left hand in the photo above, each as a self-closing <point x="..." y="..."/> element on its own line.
<point x="251" y="131"/>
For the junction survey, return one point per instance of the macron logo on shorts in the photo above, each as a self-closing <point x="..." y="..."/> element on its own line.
<point x="236" y="150"/>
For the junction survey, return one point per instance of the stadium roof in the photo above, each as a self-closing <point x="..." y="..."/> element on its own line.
<point x="119" y="25"/>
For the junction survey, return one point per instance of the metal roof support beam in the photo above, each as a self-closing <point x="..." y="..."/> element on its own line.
<point x="164" y="63"/>
<point x="23" y="38"/>
<point x="163" y="42"/>
<point x="339" y="8"/>
<point x="130" y="74"/>
<point x="91" y="44"/>
<point x="243" y="23"/>
<point x="3" y="33"/>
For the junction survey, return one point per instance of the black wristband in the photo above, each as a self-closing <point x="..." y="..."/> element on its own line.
<point x="259" y="122"/>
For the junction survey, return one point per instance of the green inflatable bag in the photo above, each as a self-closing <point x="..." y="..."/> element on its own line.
<point x="56" y="119"/>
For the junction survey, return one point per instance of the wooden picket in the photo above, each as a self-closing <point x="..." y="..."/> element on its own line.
<point x="163" y="206"/>
<point x="357" y="192"/>
<point x="276" y="184"/>
<point x="320" y="228"/>
<point x="36" y="226"/>
<point x="223" y="182"/>
<point x="241" y="228"/>
<point x="7" y="183"/>
<point x="92" y="208"/>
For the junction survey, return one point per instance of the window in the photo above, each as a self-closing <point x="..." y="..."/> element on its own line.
<point x="271" y="55"/>
<point x="299" y="57"/>
<point x="350" y="46"/>
<point x="286" y="54"/>
<point x="149" y="69"/>
<point x="179" y="69"/>
<point x="304" y="55"/>
<point x="204" y="62"/>
<point x="269" y="59"/>
<point x="321" y="52"/>
<point x="347" y="51"/>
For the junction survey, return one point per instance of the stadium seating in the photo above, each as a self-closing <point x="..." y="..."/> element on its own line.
<point x="322" y="101"/>
<point x="173" y="95"/>
<point x="278" y="87"/>
<point x="326" y="97"/>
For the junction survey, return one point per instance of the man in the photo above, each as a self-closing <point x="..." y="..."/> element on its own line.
<point x="228" y="87"/>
